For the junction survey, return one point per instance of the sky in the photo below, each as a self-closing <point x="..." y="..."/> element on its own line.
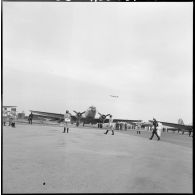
<point x="63" y="55"/>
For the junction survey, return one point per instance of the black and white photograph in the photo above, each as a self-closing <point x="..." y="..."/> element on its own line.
<point x="96" y="96"/>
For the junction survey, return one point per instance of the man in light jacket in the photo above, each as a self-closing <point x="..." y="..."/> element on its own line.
<point x="111" y="126"/>
<point x="67" y="120"/>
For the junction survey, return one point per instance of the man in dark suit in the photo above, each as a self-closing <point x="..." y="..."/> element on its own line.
<point x="155" y="124"/>
<point x="30" y="117"/>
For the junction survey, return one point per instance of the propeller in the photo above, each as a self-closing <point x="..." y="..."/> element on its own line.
<point x="103" y="116"/>
<point x="78" y="114"/>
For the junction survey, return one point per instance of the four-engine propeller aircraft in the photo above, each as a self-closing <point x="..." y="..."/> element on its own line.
<point x="89" y="117"/>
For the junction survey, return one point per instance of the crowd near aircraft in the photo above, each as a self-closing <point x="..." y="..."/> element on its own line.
<point x="9" y="115"/>
<point x="89" y="117"/>
<point x="178" y="127"/>
<point x="175" y="126"/>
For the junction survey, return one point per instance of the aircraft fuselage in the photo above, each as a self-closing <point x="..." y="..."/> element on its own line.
<point x="91" y="112"/>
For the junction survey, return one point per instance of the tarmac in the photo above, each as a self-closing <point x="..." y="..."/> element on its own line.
<point x="42" y="159"/>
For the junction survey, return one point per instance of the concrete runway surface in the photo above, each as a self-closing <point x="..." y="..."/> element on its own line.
<point x="42" y="159"/>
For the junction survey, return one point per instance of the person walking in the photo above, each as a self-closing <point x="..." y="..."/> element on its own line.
<point x="67" y="119"/>
<point x="155" y="124"/>
<point x="111" y="125"/>
<point x="30" y="117"/>
<point x="13" y="123"/>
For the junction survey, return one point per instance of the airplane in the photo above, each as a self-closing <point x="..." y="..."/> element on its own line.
<point x="115" y="96"/>
<point x="89" y="117"/>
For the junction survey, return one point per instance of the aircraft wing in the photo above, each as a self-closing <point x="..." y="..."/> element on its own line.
<point x="177" y="126"/>
<point x="51" y="116"/>
<point x="48" y="115"/>
<point x="123" y="120"/>
<point x="126" y="120"/>
<point x="9" y="106"/>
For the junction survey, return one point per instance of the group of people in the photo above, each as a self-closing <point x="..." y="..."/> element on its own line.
<point x="121" y="125"/>
<point x="9" y="117"/>
<point x="67" y="120"/>
<point x="111" y="126"/>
